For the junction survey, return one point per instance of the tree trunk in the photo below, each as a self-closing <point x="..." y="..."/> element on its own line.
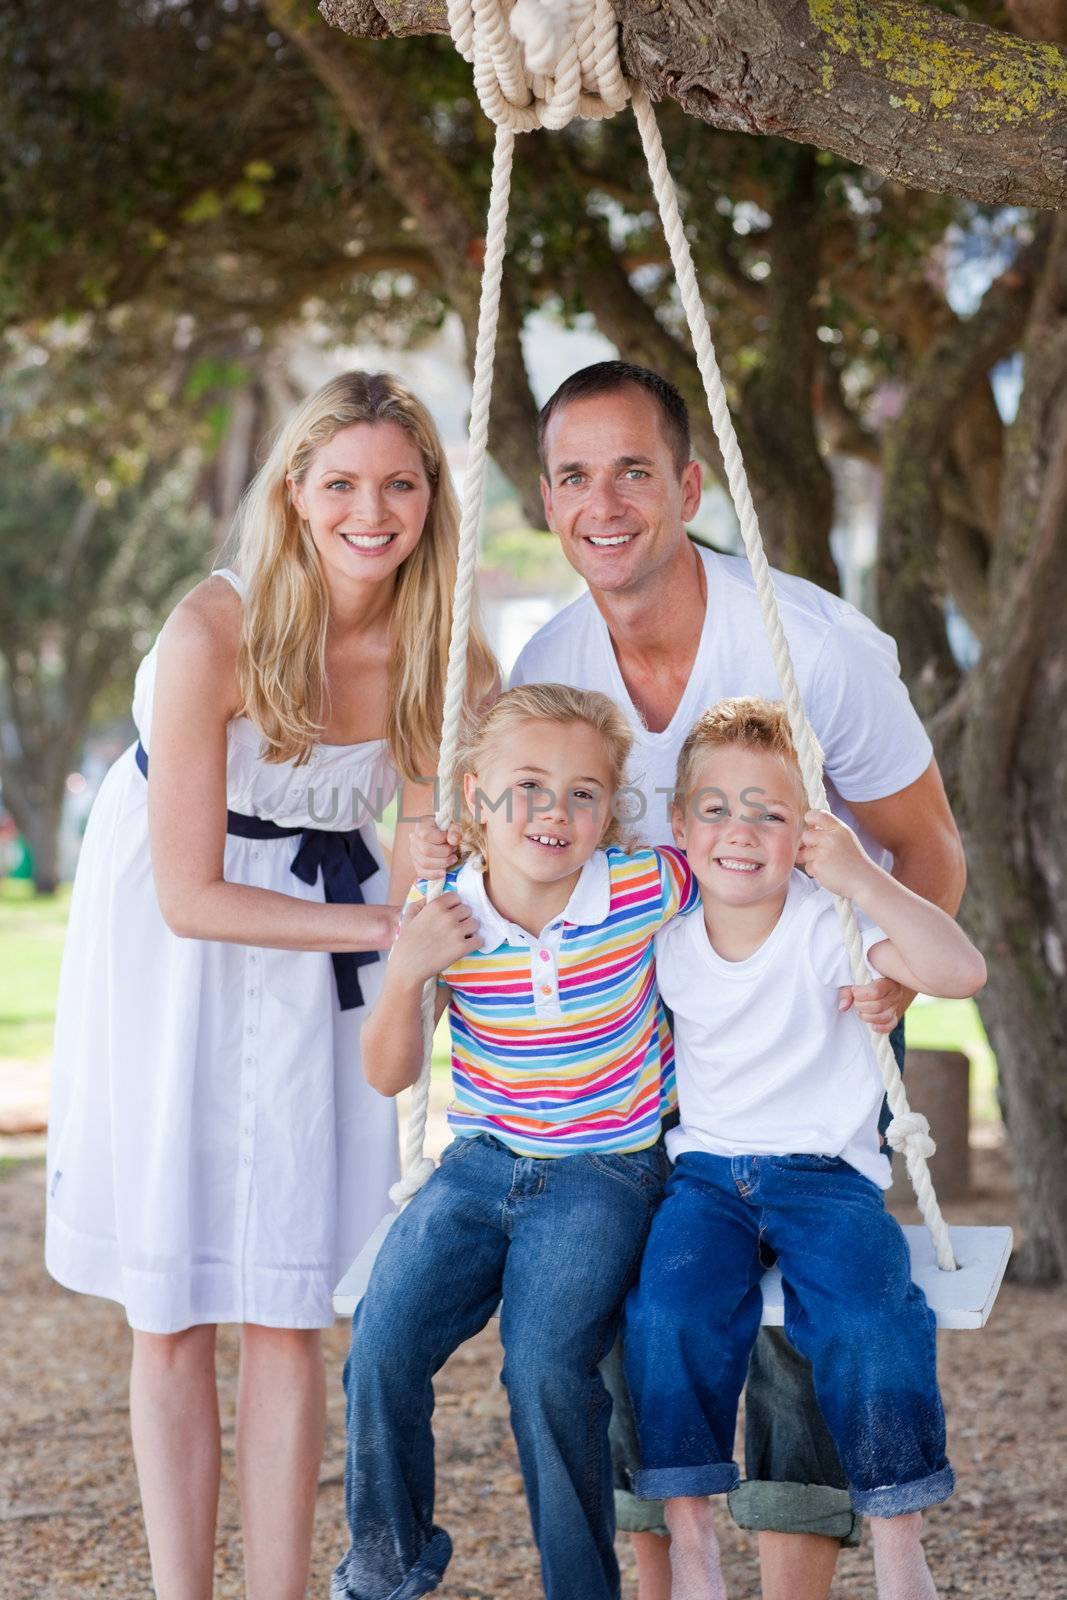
<point x="1013" y="776"/>
<point x="791" y="484"/>
<point x="34" y="785"/>
<point x="42" y="836"/>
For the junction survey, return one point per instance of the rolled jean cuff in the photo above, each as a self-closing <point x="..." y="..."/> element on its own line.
<point x="897" y="1499"/>
<point x="770" y="1507"/>
<point x="684" y="1483"/>
<point x="638" y="1516"/>
<point x="420" y="1579"/>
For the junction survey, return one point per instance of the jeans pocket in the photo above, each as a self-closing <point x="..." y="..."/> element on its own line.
<point x="640" y="1171"/>
<point x="459" y="1147"/>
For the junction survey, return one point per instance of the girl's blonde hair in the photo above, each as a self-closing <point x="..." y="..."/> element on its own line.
<point x="555" y="703"/>
<point x="282" y="655"/>
<point x="746" y="720"/>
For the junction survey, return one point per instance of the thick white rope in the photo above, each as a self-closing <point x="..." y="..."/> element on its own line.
<point x="578" y="74"/>
<point x="417" y="1166"/>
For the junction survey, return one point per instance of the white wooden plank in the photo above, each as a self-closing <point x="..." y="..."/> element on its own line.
<point x="961" y="1299"/>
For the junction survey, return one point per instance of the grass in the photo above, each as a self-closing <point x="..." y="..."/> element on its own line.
<point x="31" y="945"/>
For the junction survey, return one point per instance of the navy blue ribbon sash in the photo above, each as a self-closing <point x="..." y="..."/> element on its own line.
<point x="345" y="863"/>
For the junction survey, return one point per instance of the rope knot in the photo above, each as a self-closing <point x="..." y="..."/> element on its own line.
<point x="541" y="63"/>
<point x="910" y="1132"/>
<point x="407" y="1187"/>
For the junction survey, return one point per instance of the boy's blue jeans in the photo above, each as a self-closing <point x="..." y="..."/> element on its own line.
<point x="561" y="1240"/>
<point x="850" y="1308"/>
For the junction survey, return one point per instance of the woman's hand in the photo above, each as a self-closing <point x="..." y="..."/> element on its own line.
<point x="432" y="850"/>
<point x="432" y="935"/>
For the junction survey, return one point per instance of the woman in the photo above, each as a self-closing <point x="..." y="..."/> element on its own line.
<point x="214" y="1154"/>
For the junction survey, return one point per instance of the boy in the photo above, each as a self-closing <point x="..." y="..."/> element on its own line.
<point x="777" y="1154"/>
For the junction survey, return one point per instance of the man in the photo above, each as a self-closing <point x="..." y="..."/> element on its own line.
<point x="666" y="629"/>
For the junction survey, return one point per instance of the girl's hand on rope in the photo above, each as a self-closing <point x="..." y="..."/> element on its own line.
<point x="880" y="1003"/>
<point x="432" y="850"/>
<point x="432" y="935"/>
<point x="830" y="853"/>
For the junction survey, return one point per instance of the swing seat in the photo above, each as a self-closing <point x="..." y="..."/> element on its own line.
<point x="961" y="1299"/>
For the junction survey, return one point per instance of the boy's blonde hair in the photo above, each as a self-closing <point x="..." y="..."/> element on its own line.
<point x="747" y="721"/>
<point x="542" y="702"/>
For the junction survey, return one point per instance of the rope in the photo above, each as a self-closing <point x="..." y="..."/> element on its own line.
<point x="417" y="1166"/>
<point x="570" y="68"/>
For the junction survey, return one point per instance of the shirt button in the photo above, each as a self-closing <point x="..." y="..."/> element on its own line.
<point x="255" y="855"/>
<point x="251" y="1028"/>
<point x="253" y="958"/>
<point x="248" y="1161"/>
<point x="546" y="988"/>
<point x="249" y="1094"/>
<point x="253" y="991"/>
<point x="545" y="955"/>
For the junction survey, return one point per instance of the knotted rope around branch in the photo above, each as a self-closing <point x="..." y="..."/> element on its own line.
<point x="571" y="69"/>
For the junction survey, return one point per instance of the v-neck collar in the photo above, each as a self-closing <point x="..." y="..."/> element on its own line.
<point x="683" y="716"/>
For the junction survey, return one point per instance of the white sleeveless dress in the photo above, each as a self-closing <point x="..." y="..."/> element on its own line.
<point x="214" y="1152"/>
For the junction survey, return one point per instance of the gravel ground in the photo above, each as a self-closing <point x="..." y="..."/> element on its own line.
<point x="69" y="1518"/>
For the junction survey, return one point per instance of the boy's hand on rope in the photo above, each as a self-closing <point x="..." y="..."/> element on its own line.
<point x="432" y="935"/>
<point x="830" y="853"/>
<point x="432" y="850"/>
<point x="880" y="1003"/>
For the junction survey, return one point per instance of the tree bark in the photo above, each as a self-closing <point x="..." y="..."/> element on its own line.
<point x="1013" y="775"/>
<point x="895" y="85"/>
<point x="791" y="484"/>
<point x="911" y="579"/>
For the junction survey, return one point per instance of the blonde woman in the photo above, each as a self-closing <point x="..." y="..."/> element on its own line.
<point x="215" y="1154"/>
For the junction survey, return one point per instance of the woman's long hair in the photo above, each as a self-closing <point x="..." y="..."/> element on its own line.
<point x="282" y="654"/>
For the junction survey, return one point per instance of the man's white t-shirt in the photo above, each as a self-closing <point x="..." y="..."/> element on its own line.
<point x="847" y="671"/>
<point x="766" y="1063"/>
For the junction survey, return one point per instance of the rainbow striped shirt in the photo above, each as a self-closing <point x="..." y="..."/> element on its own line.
<point x="560" y="1043"/>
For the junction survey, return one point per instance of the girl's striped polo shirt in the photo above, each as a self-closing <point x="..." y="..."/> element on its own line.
<point x="560" y="1043"/>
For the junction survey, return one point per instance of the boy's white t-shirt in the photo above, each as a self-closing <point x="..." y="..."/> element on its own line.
<point x="766" y="1063"/>
<point x="847" y="671"/>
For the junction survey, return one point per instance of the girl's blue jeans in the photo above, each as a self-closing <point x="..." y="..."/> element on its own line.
<point x="560" y="1240"/>
<point x="850" y="1307"/>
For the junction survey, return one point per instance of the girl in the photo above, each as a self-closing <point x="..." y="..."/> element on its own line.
<point x="214" y="1155"/>
<point x="561" y="1071"/>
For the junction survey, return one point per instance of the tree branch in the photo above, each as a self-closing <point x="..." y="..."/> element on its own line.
<point x="896" y="85"/>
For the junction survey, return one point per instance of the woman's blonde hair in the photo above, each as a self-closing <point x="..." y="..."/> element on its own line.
<point x="746" y="720"/>
<point x="282" y="655"/>
<point x="543" y="702"/>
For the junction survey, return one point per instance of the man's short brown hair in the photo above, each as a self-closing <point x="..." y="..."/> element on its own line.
<point x="607" y="377"/>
